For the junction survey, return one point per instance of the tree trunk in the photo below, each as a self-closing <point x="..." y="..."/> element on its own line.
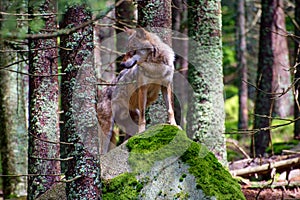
<point x="79" y="103"/>
<point x="206" y="116"/>
<point x="43" y="99"/>
<point x="281" y="75"/>
<point x="297" y="73"/>
<point x="272" y="74"/>
<point x="180" y="30"/>
<point x="124" y="17"/>
<point x="13" y="117"/>
<point x="264" y="102"/>
<point x="241" y="48"/>
<point x="156" y="16"/>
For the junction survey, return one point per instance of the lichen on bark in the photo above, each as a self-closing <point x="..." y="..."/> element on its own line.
<point x="206" y="116"/>
<point x="79" y="103"/>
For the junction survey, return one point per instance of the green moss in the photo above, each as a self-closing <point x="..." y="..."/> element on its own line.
<point x="211" y="177"/>
<point x="155" y="144"/>
<point x="123" y="187"/>
<point x="163" y="141"/>
<point x="182" y="196"/>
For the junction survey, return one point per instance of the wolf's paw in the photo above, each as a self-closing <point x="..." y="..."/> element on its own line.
<point x="174" y="124"/>
<point x="179" y="127"/>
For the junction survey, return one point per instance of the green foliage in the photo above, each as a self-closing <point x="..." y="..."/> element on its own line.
<point x="278" y="147"/>
<point x="231" y="111"/>
<point x="230" y="91"/>
<point x="228" y="30"/>
<point x="10" y="25"/>
<point x="36" y="25"/>
<point x="283" y="133"/>
<point x="229" y="59"/>
<point x="89" y="4"/>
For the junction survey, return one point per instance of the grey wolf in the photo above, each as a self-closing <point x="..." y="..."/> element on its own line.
<point x="148" y="70"/>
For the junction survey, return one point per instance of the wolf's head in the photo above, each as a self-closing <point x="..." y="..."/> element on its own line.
<point x="138" y="39"/>
<point x="139" y="47"/>
<point x="147" y="47"/>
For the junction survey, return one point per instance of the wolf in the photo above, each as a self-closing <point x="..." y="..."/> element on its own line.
<point x="148" y="69"/>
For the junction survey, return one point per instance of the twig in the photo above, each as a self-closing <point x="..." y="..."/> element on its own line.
<point x="235" y="143"/>
<point x="19" y="175"/>
<point x="253" y="131"/>
<point x="53" y="159"/>
<point x="71" y="180"/>
<point x="14" y="63"/>
<point x="51" y="142"/>
<point x="33" y="75"/>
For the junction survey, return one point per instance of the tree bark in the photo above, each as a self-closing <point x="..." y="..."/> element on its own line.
<point x="79" y="103"/>
<point x="156" y="16"/>
<point x="241" y="49"/>
<point x="264" y="103"/>
<point x="297" y="73"/>
<point x="43" y="100"/>
<point x="13" y="116"/>
<point x="272" y="74"/>
<point x="281" y="74"/>
<point x="180" y="30"/>
<point x="124" y="17"/>
<point x="205" y="123"/>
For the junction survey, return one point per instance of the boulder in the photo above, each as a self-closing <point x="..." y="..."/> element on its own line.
<point x="162" y="163"/>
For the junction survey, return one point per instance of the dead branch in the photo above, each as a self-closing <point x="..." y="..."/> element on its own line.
<point x="52" y="159"/>
<point x="235" y="143"/>
<point x="70" y="180"/>
<point x="51" y="142"/>
<point x="290" y="152"/>
<point x="20" y="175"/>
<point x="266" y="167"/>
<point x="33" y="75"/>
<point x="253" y="131"/>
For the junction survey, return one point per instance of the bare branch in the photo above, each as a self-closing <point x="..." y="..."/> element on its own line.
<point x="20" y="175"/>
<point x="51" y="142"/>
<point x="53" y="159"/>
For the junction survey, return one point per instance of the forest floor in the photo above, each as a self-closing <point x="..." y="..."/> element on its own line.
<point x="279" y="179"/>
<point x="271" y="194"/>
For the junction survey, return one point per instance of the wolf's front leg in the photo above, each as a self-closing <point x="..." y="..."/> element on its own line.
<point x="167" y="95"/>
<point x="142" y="101"/>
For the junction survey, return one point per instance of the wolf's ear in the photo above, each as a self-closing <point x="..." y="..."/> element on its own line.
<point x="141" y="33"/>
<point x="129" y="31"/>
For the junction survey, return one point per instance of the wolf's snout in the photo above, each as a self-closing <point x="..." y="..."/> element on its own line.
<point x="127" y="64"/>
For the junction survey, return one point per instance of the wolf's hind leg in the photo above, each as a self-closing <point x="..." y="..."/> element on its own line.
<point x="142" y="102"/>
<point x="167" y="95"/>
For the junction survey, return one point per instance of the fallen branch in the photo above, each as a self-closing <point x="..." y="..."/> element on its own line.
<point x="266" y="167"/>
<point x="264" y="185"/>
<point x="235" y="143"/>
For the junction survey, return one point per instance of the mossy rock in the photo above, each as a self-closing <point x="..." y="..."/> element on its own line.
<point x="162" y="163"/>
